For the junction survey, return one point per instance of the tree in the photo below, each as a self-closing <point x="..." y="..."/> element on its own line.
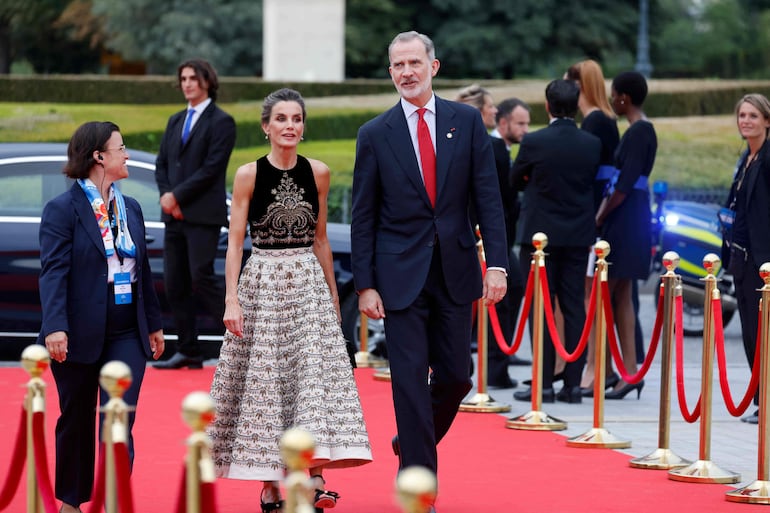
<point x="226" y="32"/>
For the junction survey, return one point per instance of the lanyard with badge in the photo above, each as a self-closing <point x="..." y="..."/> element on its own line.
<point x="122" y="279"/>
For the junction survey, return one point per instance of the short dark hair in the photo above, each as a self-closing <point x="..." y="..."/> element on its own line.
<point x="505" y="107"/>
<point x="281" y="95"/>
<point x="633" y="84"/>
<point x="562" y="97"/>
<point x="204" y="72"/>
<point x="88" y="138"/>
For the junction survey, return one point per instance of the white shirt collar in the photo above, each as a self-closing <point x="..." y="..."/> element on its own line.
<point x="200" y="107"/>
<point x="410" y="108"/>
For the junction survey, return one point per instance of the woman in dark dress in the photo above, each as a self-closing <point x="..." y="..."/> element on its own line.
<point x="598" y="119"/>
<point x="624" y="214"/>
<point x="746" y="242"/>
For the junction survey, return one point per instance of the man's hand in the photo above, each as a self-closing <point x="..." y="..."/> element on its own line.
<point x="370" y="304"/>
<point x="168" y="203"/>
<point x="495" y="286"/>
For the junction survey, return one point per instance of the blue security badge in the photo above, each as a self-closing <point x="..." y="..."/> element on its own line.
<point x="123" y="288"/>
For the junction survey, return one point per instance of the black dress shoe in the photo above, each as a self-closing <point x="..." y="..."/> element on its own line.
<point x="509" y="383"/>
<point x="515" y="360"/>
<point x="526" y="395"/>
<point x="396" y="449"/>
<point x="180" y="360"/>
<point x="570" y="395"/>
<point x="751" y="419"/>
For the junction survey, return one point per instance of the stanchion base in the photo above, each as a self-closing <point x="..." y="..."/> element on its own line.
<point x="598" y="438"/>
<point x="382" y="375"/>
<point x="365" y="360"/>
<point x="482" y="403"/>
<point x="536" y="421"/>
<point x="703" y="471"/>
<point x="659" y="459"/>
<point x="757" y="492"/>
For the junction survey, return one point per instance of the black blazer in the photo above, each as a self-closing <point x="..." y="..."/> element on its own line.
<point x="394" y="227"/>
<point x="196" y="171"/>
<point x="73" y="276"/>
<point x="556" y="167"/>
<point x="757" y="208"/>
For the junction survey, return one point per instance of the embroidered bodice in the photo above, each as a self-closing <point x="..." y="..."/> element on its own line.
<point x="284" y="207"/>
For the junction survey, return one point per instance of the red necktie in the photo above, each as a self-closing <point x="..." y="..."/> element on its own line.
<point x="427" y="156"/>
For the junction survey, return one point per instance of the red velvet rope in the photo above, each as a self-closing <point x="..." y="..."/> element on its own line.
<point x="495" y="321"/>
<point x="557" y="343"/>
<point x="720" y="348"/>
<point x="613" y="341"/>
<point x="97" y="496"/>
<point x="208" y="502"/>
<point x="678" y="323"/>
<point x="17" y="463"/>
<point x="41" y="463"/>
<point x="123" y="478"/>
<point x="181" y="500"/>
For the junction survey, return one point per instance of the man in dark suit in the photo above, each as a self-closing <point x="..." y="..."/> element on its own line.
<point x="413" y="248"/>
<point x="190" y="171"/>
<point x="556" y="167"/>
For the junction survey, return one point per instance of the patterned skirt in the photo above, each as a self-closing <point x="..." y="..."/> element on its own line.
<point x="290" y="369"/>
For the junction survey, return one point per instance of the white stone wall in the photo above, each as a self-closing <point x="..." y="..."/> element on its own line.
<point x="304" y="40"/>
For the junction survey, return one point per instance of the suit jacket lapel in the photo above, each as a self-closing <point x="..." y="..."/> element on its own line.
<point x="446" y="135"/>
<point x="401" y="143"/>
<point x="86" y="217"/>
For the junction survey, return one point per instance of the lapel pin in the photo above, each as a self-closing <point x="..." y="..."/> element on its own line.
<point x="449" y="134"/>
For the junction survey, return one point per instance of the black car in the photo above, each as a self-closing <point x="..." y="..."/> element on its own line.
<point x="31" y="175"/>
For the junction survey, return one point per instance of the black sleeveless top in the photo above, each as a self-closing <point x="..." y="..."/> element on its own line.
<point x="284" y="207"/>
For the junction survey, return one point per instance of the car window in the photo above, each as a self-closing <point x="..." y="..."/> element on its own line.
<point x="25" y="187"/>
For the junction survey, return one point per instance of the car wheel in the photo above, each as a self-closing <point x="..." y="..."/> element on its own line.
<point x="351" y="328"/>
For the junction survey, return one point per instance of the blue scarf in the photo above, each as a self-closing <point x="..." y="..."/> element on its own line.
<point x="122" y="241"/>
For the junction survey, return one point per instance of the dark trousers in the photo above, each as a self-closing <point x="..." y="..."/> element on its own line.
<point x="434" y="333"/>
<point x="507" y="313"/>
<point x="188" y="267"/>
<point x="78" y="386"/>
<point x="565" y="267"/>
<point x="747" y="282"/>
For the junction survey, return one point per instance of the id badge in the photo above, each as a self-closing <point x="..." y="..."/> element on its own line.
<point x="123" y="289"/>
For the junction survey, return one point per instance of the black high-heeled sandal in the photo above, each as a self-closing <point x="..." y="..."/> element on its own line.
<point x="324" y="499"/>
<point x="270" y="507"/>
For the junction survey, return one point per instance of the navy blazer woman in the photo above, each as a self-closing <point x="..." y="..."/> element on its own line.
<point x="84" y="325"/>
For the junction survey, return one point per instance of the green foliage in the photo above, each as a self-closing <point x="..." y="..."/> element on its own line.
<point x="226" y="32"/>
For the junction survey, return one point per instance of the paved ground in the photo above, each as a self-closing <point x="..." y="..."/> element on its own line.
<point x="733" y="443"/>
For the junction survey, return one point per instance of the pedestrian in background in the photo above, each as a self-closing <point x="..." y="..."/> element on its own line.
<point x="190" y="170"/>
<point x="745" y="218"/>
<point x="624" y="216"/>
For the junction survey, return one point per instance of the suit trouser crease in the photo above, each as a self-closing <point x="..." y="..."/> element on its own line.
<point x="433" y="332"/>
<point x="188" y="266"/>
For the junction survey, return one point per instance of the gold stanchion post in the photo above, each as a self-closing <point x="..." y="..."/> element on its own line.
<point x="115" y="378"/>
<point x="663" y="457"/>
<point x="598" y="436"/>
<point x="704" y="470"/>
<point x="297" y="449"/>
<point x="536" y="419"/>
<point x="363" y="356"/>
<point x="758" y="492"/>
<point x="416" y="489"/>
<point x="481" y="402"/>
<point x="35" y="360"/>
<point x="198" y="411"/>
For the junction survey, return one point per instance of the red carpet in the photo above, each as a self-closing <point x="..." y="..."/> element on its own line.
<point x="483" y="466"/>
